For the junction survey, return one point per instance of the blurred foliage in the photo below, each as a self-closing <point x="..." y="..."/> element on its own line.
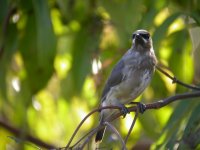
<point x="55" y="56"/>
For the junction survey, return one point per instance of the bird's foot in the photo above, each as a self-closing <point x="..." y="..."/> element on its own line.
<point x="124" y="110"/>
<point x="141" y="106"/>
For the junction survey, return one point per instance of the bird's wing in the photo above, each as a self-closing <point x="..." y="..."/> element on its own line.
<point x="115" y="78"/>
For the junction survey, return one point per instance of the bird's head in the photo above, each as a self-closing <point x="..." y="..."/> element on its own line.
<point x="142" y="40"/>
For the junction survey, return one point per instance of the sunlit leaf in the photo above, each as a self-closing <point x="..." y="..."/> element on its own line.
<point x="178" y="61"/>
<point x="38" y="46"/>
<point x="47" y="88"/>
<point x="84" y="47"/>
<point x="149" y="124"/>
<point x="129" y="13"/>
<point x="162" y="30"/>
<point x="175" y="124"/>
<point x="194" y="34"/>
<point x="8" y="50"/>
<point x="191" y="136"/>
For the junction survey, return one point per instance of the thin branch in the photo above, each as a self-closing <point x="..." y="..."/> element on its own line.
<point x="87" y="134"/>
<point x="89" y="137"/>
<point x="175" y="80"/>
<point x="91" y="134"/>
<point x="79" y="126"/>
<point x="84" y="119"/>
<point x="132" y="125"/>
<point x="117" y="133"/>
<point x="166" y="101"/>
<point x="155" y="105"/>
<point x="171" y="99"/>
<point x="16" y="132"/>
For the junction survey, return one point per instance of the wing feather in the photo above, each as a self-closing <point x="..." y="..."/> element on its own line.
<point x="115" y="78"/>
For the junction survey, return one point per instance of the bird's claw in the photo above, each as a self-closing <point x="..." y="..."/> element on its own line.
<point x="124" y="110"/>
<point x="141" y="106"/>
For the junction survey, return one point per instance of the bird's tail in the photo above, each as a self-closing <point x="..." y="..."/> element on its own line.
<point x="100" y="134"/>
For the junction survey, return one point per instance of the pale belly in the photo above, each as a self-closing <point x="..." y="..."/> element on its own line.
<point x="129" y="89"/>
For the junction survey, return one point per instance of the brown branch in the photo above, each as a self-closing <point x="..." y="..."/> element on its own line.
<point x="85" y="118"/>
<point x="113" y="129"/>
<point x="155" y="105"/>
<point x="175" y="80"/>
<point x="161" y="103"/>
<point x="79" y="126"/>
<point x="89" y="137"/>
<point x="87" y="134"/>
<point x="117" y="133"/>
<point x="132" y="125"/>
<point x="16" y="132"/>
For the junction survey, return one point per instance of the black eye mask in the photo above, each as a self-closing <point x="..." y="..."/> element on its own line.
<point x="145" y="36"/>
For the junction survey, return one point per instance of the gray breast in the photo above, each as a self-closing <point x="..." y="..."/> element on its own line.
<point x="136" y="74"/>
<point x="135" y="83"/>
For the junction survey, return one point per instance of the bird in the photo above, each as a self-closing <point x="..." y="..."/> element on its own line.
<point x="129" y="77"/>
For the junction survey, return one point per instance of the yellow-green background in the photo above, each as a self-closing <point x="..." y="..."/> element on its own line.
<point x="56" y="55"/>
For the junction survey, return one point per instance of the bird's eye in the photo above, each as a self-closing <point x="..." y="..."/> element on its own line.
<point x="133" y="36"/>
<point x="145" y="36"/>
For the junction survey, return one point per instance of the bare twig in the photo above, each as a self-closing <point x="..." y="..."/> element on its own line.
<point x="175" y="80"/>
<point x="161" y="103"/>
<point x="132" y="125"/>
<point x="117" y="133"/>
<point x="171" y="99"/>
<point x="84" y="119"/>
<point x="155" y="105"/>
<point x="16" y="132"/>
<point x="80" y="124"/>
<point x="87" y="134"/>
<point x="89" y="137"/>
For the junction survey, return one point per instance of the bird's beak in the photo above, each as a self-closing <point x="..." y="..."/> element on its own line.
<point x="139" y="40"/>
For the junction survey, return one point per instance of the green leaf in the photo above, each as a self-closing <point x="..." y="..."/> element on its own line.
<point x="161" y="31"/>
<point x="82" y="58"/>
<point x="125" y="16"/>
<point x="191" y="136"/>
<point x="85" y="45"/>
<point x="4" y="9"/>
<point x="178" y="57"/>
<point x="38" y="46"/>
<point x="195" y="35"/>
<point x="195" y="16"/>
<point x="173" y="129"/>
<point x="149" y="124"/>
<point x="46" y="40"/>
<point x="158" y="84"/>
<point x="153" y="7"/>
<point x="9" y="48"/>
